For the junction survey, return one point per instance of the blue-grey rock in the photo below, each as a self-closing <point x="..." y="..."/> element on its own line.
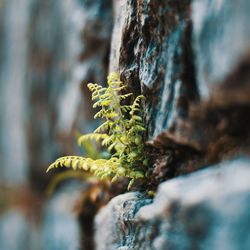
<point x="60" y="229"/>
<point x="205" y="210"/>
<point x="47" y="48"/>
<point x="221" y="42"/>
<point x="151" y="47"/>
<point x="115" y="222"/>
<point x="16" y="233"/>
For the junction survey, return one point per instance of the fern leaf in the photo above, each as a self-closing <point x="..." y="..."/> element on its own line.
<point x="111" y="115"/>
<point x="91" y="136"/>
<point x="136" y="104"/>
<point x="67" y="161"/>
<point x="102" y="102"/>
<point x="103" y="126"/>
<point x="97" y="104"/>
<point x="122" y="97"/>
<point x="113" y="77"/>
<point x="139" y="128"/>
<point x="137" y="118"/>
<point x="130" y="184"/>
<point x="121" y="133"/>
<point x="113" y="145"/>
<point x="108" y="140"/>
<point x="99" y="114"/>
<point x="119" y="88"/>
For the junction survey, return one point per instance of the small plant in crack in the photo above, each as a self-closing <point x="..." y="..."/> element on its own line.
<point x="121" y="133"/>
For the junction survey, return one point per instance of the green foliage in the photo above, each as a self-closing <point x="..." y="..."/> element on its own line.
<point x="91" y="150"/>
<point x="122" y="134"/>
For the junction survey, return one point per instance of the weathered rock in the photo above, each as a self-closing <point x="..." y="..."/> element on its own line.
<point x="222" y="77"/>
<point x="67" y="47"/>
<point x="181" y="56"/>
<point x="205" y="210"/>
<point x="191" y="61"/>
<point x="60" y="229"/>
<point x="13" y="55"/>
<point x="16" y="233"/>
<point x="152" y="49"/>
<point x="221" y="41"/>
<point x="118" y="221"/>
<point x="47" y="49"/>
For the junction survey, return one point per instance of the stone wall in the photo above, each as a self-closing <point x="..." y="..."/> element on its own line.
<point x="190" y="58"/>
<point x="191" y="61"/>
<point x="47" y="48"/>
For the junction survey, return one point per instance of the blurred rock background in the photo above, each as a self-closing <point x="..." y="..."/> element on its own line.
<point x="49" y="51"/>
<point x="191" y="61"/>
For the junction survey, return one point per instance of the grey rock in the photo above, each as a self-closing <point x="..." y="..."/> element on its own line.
<point x="152" y="49"/>
<point x="60" y="229"/>
<point x="117" y="219"/>
<point x="47" y="48"/>
<point x="16" y="233"/>
<point x="68" y="46"/>
<point x="181" y="56"/>
<point x="13" y="96"/>
<point x="222" y="62"/>
<point x="205" y="210"/>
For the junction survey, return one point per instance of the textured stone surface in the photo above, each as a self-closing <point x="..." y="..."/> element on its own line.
<point x="205" y="210"/>
<point x="221" y="73"/>
<point x="60" y="229"/>
<point x="152" y="50"/>
<point x="13" y="55"/>
<point x="47" y="48"/>
<point x="191" y="61"/>
<point x="16" y="233"/>
<point x="117" y="219"/>
<point x="181" y="56"/>
<point x="221" y="40"/>
<point x="25" y="225"/>
<point x="67" y="47"/>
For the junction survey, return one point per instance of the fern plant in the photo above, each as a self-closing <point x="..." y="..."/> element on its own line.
<point x="121" y="132"/>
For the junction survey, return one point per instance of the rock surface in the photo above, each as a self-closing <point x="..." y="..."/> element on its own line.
<point x="222" y="63"/>
<point x="153" y="53"/>
<point x="61" y="229"/>
<point x="191" y="61"/>
<point x="209" y="209"/>
<point x="47" y="48"/>
<point x="16" y="233"/>
<point x="181" y="56"/>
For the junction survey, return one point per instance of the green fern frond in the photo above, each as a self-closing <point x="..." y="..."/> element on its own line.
<point x="136" y="105"/>
<point x="121" y="132"/>
<point x="91" y="136"/>
<point x="75" y="162"/>
<point x="123" y="97"/>
<point x="103" y="127"/>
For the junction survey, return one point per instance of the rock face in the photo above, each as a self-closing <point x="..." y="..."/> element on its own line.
<point x="118" y="218"/>
<point x="205" y="210"/>
<point x="181" y="56"/>
<point x="191" y="61"/>
<point x="222" y="63"/>
<point x="47" y="48"/>
<point x="15" y="232"/>
<point x="60" y="229"/>
<point x="155" y="57"/>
